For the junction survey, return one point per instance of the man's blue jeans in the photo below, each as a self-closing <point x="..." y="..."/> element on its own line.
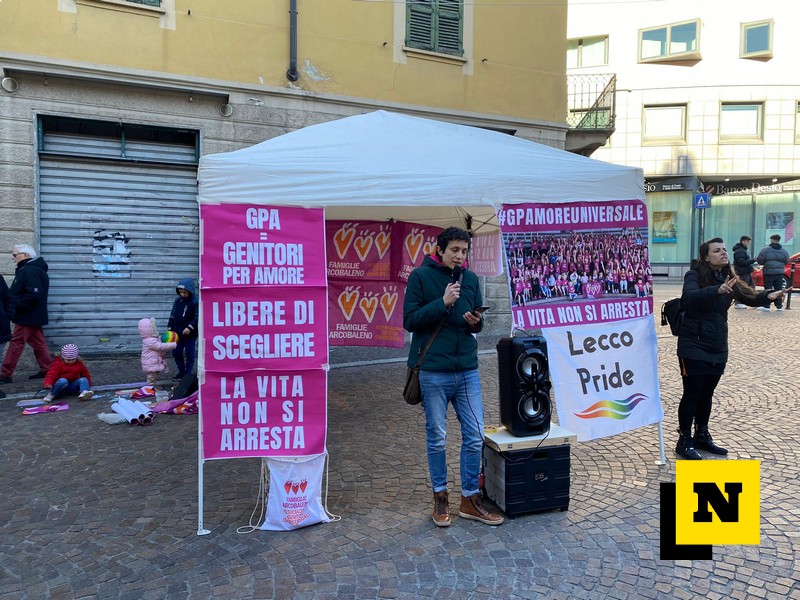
<point x="63" y="387"/>
<point x="463" y="389"/>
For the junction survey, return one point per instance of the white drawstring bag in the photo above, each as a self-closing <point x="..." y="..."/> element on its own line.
<point x="295" y="493"/>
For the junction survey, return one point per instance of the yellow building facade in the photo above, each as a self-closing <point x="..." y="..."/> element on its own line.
<point x="511" y="62"/>
<point x="106" y="107"/>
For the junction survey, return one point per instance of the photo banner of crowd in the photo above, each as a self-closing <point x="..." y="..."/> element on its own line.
<point x="581" y="273"/>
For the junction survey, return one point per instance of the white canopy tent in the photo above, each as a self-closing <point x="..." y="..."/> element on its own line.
<point x="384" y="165"/>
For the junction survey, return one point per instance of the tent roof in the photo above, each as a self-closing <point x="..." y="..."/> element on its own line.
<point x="371" y="165"/>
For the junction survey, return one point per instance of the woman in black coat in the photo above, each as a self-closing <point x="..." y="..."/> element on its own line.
<point x="709" y="289"/>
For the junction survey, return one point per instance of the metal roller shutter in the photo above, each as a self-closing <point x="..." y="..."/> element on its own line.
<point x="117" y="236"/>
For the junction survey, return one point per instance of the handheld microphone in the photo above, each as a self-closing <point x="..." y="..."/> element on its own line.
<point x="458" y="273"/>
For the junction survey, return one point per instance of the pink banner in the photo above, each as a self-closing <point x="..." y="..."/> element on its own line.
<point x="261" y="246"/>
<point x="264" y="313"/>
<point x="358" y="251"/>
<point x="369" y="314"/>
<point x="254" y="413"/>
<point x="486" y="255"/>
<point x="577" y="263"/>
<point x="517" y="218"/>
<point x="415" y="241"/>
<point x="255" y="329"/>
<point x="559" y="314"/>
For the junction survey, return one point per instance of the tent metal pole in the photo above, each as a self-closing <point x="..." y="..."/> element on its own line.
<point x="663" y="460"/>
<point x="200" y="529"/>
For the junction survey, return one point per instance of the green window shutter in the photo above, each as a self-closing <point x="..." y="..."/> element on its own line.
<point x="156" y="3"/>
<point x="419" y="28"/>
<point x="449" y="28"/>
<point x="435" y="25"/>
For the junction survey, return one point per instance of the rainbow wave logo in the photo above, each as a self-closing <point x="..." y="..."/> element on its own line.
<point x="611" y="409"/>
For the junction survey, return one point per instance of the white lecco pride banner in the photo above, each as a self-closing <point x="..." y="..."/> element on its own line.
<point x="605" y="376"/>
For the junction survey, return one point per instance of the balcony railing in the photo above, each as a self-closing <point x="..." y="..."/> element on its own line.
<point x="591" y="99"/>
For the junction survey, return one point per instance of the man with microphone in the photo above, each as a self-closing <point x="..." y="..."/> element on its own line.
<point x="443" y="298"/>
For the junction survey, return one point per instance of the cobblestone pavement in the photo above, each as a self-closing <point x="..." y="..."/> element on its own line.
<point x="90" y="510"/>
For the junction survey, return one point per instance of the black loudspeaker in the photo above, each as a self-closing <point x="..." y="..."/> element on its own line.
<point x="524" y="377"/>
<point x="186" y="387"/>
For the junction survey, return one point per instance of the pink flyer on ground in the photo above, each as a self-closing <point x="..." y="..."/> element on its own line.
<point x="47" y="408"/>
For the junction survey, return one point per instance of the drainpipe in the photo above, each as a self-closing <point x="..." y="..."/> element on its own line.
<point x="292" y="74"/>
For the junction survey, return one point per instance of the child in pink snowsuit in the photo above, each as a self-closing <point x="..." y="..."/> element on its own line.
<point x="154" y="351"/>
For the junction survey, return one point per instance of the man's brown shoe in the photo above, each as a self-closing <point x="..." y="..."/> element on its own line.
<point x="472" y="507"/>
<point x="441" y="509"/>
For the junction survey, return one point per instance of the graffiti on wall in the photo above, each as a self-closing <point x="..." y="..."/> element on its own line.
<point x="111" y="255"/>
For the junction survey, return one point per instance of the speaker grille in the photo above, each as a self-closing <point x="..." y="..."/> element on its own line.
<point x="524" y="378"/>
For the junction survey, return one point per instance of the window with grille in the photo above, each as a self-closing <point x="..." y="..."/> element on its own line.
<point x="435" y="25"/>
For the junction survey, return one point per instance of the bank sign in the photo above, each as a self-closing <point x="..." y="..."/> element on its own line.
<point x="739" y="188"/>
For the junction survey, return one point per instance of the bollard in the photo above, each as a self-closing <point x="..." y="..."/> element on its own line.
<point x="791" y="288"/>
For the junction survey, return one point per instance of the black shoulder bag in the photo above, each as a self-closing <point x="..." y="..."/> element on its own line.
<point x="412" y="392"/>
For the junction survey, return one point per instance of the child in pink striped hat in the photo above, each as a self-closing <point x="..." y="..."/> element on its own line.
<point x="68" y="375"/>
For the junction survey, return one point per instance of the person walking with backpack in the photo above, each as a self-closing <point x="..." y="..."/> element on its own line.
<point x="709" y="289"/>
<point x="774" y="258"/>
